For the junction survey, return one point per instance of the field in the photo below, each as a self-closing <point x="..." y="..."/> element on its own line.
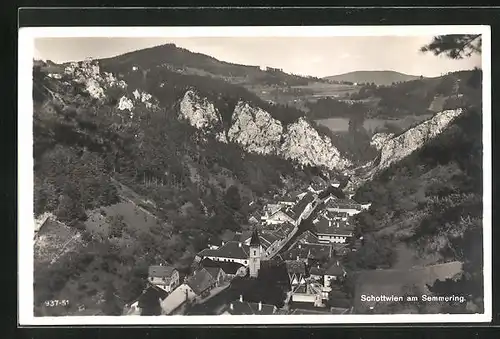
<point x="298" y="96"/>
<point x="396" y="282"/>
<point x="133" y="216"/>
<point x="342" y="124"/>
<point x="54" y="240"/>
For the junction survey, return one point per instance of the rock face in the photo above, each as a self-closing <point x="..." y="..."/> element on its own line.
<point x="255" y="129"/>
<point x="198" y="111"/>
<point x="98" y="84"/>
<point x="304" y="144"/>
<point x="258" y="132"/>
<point x="87" y="72"/>
<point x="395" y="149"/>
<point x="125" y="104"/>
<point x="379" y="139"/>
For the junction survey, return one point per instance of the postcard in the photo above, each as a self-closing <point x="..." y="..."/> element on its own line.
<point x="254" y="175"/>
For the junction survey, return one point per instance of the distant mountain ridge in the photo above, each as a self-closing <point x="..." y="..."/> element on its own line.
<point x="377" y="77"/>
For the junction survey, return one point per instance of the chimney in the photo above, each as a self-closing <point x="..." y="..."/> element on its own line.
<point x="239" y="244"/>
<point x="329" y="223"/>
<point x="241" y="298"/>
<point x="297" y="258"/>
<point x="161" y="264"/>
<point x="260" y="306"/>
<point x="231" y="306"/>
<point x="337" y="263"/>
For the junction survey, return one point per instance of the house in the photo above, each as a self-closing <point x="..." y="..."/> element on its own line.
<point x="278" y="216"/>
<point x="312" y="254"/>
<point x="311" y="293"/>
<point x="308" y="237"/>
<point x="228" y="235"/>
<point x="231" y="269"/>
<point x="337" y="216"/>
<point x="182" y="294"/>
<point x="149" y="299"/>
<point x="163" y="276"/>
<point x="214" y="242"/>
<point x="231" y="251"/>
<point x="253" y="220"/>
<point x="348" y="206"/>
<point x="329" y="231"/>
<point x="241" y="307"/>
<point x="217" y="274"/>
<point x="296" y="271"/>
<point x="287" y="201"/>
<point x="303" y="209"/>
<point x="284" y="229"/>
<point x="317" y="273"/>
<point x="201" y="282"/>
<point x="266" y="237"/>
<point x="334" y="273"/>
<point x="335" y="183"/>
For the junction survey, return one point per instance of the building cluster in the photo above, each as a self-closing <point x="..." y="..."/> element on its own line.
<point x="312" y="257"/>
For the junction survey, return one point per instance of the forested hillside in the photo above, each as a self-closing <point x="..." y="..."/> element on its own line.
<point x="432" y="202"/>
<point x="415" y="97"/>
<point x="85" y="144"/>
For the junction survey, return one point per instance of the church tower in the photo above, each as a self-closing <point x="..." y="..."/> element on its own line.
<point x="255" y="250"/>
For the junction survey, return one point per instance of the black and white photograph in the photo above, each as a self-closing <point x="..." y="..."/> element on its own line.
<point x="201" y="175"/>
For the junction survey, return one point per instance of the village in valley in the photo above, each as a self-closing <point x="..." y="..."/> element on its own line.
<point x="287" y="261"/>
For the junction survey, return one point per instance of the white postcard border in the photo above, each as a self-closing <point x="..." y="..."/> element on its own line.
<point x="25" y="170"/>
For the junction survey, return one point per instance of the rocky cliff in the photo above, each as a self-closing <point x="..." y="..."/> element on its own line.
<point x="304" y="144"/>
<point x="395" y="148"/>
<point x="255" y="129"/>
<point x="258" y="132"/>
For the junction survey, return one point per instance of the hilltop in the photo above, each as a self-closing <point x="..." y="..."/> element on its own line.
<point x="367" y="77"/>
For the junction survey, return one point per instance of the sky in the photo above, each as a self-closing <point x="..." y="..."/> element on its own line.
<point x="315" y="56"/>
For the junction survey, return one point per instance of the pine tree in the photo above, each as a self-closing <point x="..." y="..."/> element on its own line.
<point x="454" y="46"/>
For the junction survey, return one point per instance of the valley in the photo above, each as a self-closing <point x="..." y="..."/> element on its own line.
<point x="168" y="175"/>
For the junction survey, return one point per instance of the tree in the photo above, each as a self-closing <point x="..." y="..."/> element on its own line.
<point x="116" y="226"/>
<point x="232" y="197"/>
<point x="454" y="46"/>
<point x="111" y="303"/>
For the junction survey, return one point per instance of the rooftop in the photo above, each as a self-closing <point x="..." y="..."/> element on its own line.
<point x="226" y="266"/>
<point x="200" y="281"/>
<point x="255" y="239"/>
<point x="213" y="271"/>
<point x="302" y="204"/>
<point x="308" y="251"/>
<point x="268" y="237"/>
<point x="308" y="237"/>
<point x="336" y="269"/>
<point x="228" y="235"/>
<point x="340" y="228"/>
<point x="316" y="270"/>
<point x="295" y="267"/>
<point x="342" y="203"/>
<point x="231" y="249"/>
<point x="161" y="271"/>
